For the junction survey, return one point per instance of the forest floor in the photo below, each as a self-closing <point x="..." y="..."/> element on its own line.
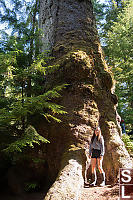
<point x="93" y="193"/>
<point x="30" y="196"/>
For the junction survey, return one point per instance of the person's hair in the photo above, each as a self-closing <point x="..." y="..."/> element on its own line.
<point x="94" y="135"/>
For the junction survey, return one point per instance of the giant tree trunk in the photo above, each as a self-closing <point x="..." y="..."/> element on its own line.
<point x="70" y="32"/>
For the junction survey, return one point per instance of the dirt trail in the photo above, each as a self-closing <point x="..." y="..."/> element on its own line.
<point x="100" y="193"/>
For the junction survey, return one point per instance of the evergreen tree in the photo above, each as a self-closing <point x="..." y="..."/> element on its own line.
<point x="23" y="69"/>
<point x="99" y="10"/>
<point x="119" y="43"/>
<point x="115" y="31"/>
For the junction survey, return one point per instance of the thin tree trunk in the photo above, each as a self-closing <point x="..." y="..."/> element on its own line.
<point x="23" y="118"/>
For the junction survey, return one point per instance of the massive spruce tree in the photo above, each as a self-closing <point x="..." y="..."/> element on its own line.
<point x="69" y="32"/>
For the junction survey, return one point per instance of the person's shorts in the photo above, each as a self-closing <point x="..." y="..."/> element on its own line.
<point x="96" y="153"/>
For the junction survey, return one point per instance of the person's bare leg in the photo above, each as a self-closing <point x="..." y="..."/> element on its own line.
<point x="102" y="173"/>
<point x="93" y="165"/>
<point x="93" y="170"/>
<point x="99" y="163"/>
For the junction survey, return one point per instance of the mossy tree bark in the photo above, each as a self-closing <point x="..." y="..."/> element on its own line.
<point x="70" y="32"/>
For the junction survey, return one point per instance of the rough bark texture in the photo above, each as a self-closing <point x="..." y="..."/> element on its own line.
<point x="69" y="30"/>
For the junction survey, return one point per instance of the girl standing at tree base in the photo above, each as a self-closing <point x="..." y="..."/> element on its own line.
<point x="96" y="153"/>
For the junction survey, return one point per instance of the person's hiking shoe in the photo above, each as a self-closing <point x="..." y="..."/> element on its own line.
<point x="93" y="180"/>
<point x="102" y="184"/>
<point x="103" y="179"/>
<point x="92" y="184"/>
<point x="86" y="184"/>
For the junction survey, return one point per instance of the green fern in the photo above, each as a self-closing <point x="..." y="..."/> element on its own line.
<point x="31" y="186"/>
